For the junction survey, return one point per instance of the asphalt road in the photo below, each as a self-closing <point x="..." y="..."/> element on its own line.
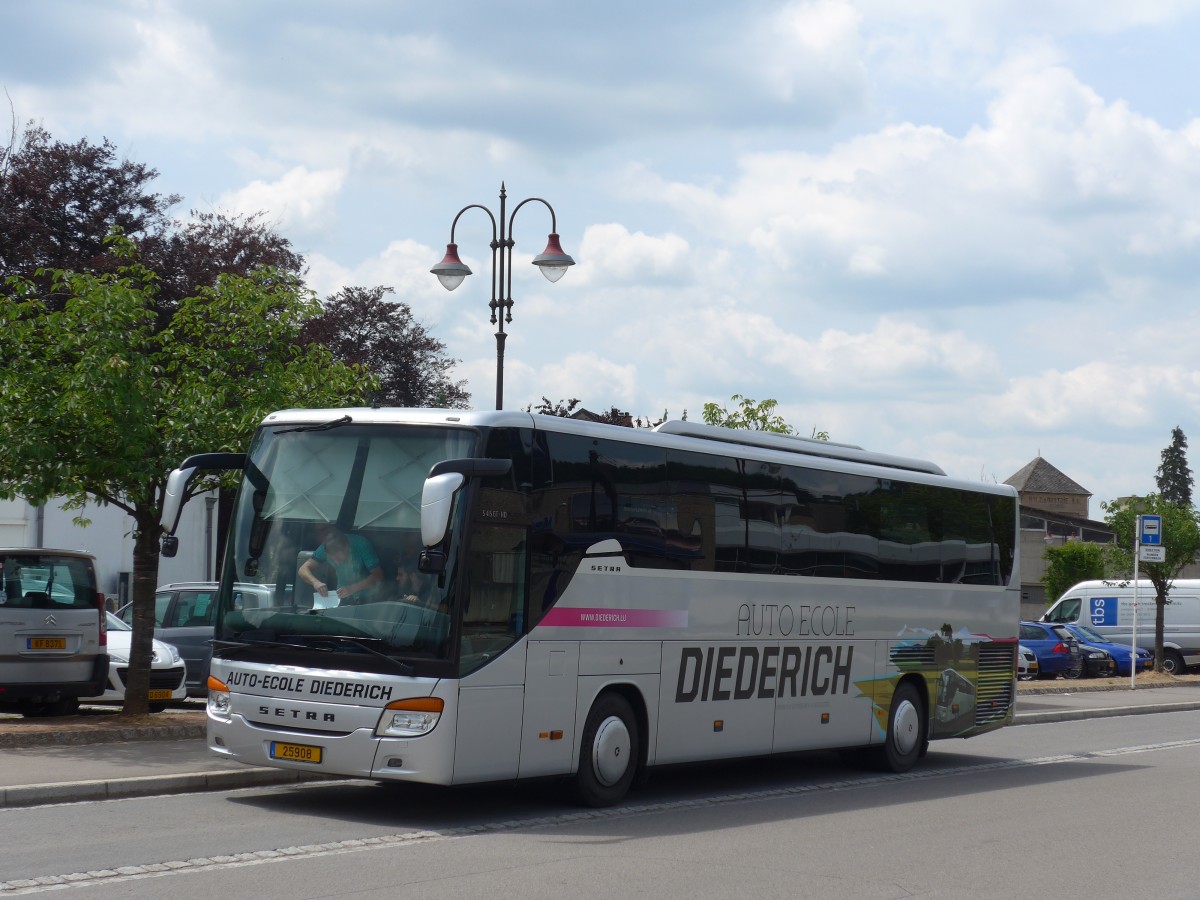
<point x="994" y="816"/>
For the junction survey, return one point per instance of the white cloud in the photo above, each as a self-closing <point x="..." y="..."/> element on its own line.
<point x="610" y="252"/>
<point x="299" y="201"/>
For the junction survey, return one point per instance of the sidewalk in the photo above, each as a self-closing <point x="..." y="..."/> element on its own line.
<point x="100" y="758"/>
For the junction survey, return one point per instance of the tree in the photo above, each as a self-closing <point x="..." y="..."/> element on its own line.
<point x="1174" y="478"/>
<point x="1181" y="540"/>
<point x="98" y="403"/>
<point x="59" y="202"/>
<point x="747" y="414"/>
<point x="1073" y="562"/>
<point x="361" y="328"/>
<point x="194" y="255"/>
<point x="563" y="408"/>
<point x="613" y="416"/>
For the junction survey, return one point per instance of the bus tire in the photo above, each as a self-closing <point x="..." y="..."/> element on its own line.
<point x="1173" y="662"/>
<point x="608" y="752"/>
<point x="906" y="739"/>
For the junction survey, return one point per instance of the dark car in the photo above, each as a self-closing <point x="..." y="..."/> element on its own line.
<point x="1119" y="652"/>
<point x="185" y="616"/>
<point x="1056" y="649"/>
<point x="1097" y="662"/>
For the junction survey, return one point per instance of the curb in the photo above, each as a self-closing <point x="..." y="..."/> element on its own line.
<point x="1071" y="715"/>
<point x="101" y="736"/>
<point x="149" y="785"/>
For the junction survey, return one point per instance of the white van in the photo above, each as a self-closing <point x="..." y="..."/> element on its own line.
<point x="53" y="631"/>
<point x="1109" y="609"/>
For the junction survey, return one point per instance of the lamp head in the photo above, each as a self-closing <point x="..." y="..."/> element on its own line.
<point x="451" y="270"/>
<point x="552" y="261"/>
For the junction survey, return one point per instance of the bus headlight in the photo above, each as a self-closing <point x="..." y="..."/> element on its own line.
<point x="218" y="698"/>
<point x="410" y="718"/>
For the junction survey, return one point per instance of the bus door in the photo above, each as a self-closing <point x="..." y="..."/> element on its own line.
<point x="491" y="659"/>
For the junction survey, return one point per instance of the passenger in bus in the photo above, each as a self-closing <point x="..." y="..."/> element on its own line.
<point x="355" y="566"/>
<point x="412" y="585"/>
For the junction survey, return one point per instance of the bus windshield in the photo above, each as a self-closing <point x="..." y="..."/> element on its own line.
<point x="328" y="521"/>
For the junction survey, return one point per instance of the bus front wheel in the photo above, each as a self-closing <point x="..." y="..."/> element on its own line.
<point x="906" y="741"/>
<point x="608" y="753"/>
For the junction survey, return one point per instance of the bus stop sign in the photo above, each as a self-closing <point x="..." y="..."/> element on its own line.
<point x="1150" y="530"/>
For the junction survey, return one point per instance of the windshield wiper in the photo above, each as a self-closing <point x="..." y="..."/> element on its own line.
<point x="331" y="642"/>
<point x="242" y="645"/>
<point x="362" y="645"/>
<point x="336" y="423"/>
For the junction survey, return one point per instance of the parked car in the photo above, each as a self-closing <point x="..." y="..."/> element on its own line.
<point x="185" y="616"/>
<point x="52" y="636"/>
<point x="1119" y="652"/>
<point x="1096" y="662"/>
<point x="1027" y="664"/>
<point x="1056" y="653"/>
<point x="166" y="668"/>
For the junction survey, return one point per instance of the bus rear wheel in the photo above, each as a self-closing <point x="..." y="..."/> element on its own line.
<point x="608" y="753"/>
<point x="906" y="740"/>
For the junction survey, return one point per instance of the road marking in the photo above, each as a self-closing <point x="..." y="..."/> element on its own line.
<point x="400" y="839"/>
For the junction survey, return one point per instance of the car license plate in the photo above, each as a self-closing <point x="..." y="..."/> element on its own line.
<point x="59" y="643"/>
<point x="160" y="695"/>
<point x="295" y="752"/>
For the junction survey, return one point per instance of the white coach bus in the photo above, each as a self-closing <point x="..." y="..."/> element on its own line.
<point x="527" y="596"/>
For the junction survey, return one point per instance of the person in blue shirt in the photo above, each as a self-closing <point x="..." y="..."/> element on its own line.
<point x="355" y="566"/>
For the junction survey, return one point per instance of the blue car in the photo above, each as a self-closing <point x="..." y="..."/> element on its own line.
<point x="1056" y="649"/>
<point x="1119" y="652"/>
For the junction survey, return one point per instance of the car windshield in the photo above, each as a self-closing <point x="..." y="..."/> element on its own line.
<point x="1090" y="635"/>
<point x="115" y="624"/>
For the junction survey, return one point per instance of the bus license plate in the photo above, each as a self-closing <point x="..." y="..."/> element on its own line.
<point x="46" y="643"/>
<point x="160" y="695"/>
<point x="295" y="752"/>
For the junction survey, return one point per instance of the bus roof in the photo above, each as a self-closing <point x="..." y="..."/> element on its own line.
<point x="673" y="433"/>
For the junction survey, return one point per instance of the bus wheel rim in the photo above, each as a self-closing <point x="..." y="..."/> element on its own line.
<point x="906" y="727"/>
<point x="610" y="751"/>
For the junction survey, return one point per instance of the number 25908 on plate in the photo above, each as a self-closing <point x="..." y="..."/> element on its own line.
<point x="295" y="752"/>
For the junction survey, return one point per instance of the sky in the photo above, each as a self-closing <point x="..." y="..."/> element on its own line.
<point x="966" y="232"/>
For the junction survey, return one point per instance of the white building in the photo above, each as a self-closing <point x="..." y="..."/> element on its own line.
<point x="109" y="538"/>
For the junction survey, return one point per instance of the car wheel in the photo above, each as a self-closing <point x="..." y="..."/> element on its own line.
<point x="608" y="753"/>
<point x="1173" y="662"/>
<point x="1075" y="672"/>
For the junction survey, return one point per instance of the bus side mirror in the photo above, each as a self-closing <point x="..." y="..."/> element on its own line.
<point x="437" y="499"/>
<point x="175" y="493"/>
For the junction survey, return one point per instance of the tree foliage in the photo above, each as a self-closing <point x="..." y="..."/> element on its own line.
<point x="612" y="416"/>
<point x="59" y="202"/>
<point x="193" y="255"/>
<point x="1073" y="562"/>
<point x="361" y="328"/>
<point x="754" y="416"/>
<point x="98" y="402"/>
<point x="1181" y="540"/>
<point x="1174" y="478"/>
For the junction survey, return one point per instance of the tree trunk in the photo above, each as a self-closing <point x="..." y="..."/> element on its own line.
<point x="145" y="583"/>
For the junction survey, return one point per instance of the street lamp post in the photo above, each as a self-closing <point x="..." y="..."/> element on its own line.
<point x="552" y="261"/>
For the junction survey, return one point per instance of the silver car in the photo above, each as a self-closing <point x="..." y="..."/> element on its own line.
<point x="185" y="617"/>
